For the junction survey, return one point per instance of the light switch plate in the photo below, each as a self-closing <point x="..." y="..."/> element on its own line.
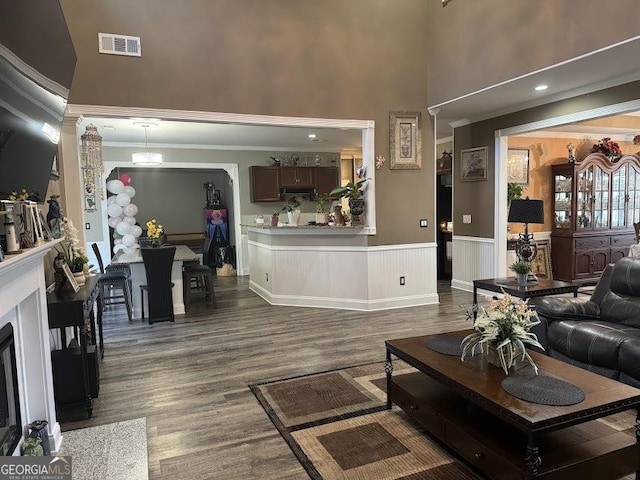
<point x="424" y="223"/>
<point x="466" y="218"/>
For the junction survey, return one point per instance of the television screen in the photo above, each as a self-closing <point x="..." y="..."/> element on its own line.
<point x="30" y="121"/>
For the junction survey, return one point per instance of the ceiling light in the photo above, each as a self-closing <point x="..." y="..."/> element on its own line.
<point x="312" y="135"/>
<point x="539" y="88"/>
<point x="146" y="157"/>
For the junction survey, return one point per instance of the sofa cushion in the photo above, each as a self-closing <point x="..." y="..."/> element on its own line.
<point x="566" y="308"/>
<point x="629" y="358"/>
<point x="622" y="309"/>
<point x="605" y="372"/>
<point x="594" y="343"/>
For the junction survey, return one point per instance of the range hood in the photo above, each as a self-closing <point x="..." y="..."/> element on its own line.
<point x="309" y="189"/>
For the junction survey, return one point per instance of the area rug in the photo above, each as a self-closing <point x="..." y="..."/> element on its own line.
<point x="109" y="452"/>
<point x="337" y="425"/>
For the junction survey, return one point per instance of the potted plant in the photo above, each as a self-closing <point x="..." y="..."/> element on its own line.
<point x="292" y="207"/>
<point x="321" y="213"/>
<point x="522" y="269"/>
<point x="608" y="148"/>
<point x="354" y="191"/>
<point x="503" y="327"/>
<point x="275" y="217"/>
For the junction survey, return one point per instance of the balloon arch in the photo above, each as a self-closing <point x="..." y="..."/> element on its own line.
<point x="122" y="216"/>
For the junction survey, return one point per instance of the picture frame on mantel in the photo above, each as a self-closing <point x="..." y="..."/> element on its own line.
<point x="405" y="141"/>
<point x="518" y="166"/>
<point x="473" y="164"/>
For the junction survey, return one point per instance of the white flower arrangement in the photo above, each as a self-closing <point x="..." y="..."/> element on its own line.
<point x="504" y="325"/>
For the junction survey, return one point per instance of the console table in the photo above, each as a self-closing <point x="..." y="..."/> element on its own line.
<point x="464" y="405"/>
<point x="75" y="374"/>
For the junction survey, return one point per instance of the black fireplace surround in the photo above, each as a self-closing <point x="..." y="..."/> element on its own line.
<point x="10" y="420"/>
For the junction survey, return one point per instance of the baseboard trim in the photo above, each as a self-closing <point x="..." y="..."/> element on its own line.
<point x="462" y="285"/>
<point x="344" y="303"/>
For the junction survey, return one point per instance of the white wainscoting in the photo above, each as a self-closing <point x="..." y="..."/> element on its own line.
<point x="345" y="277"/>
<point x="244" y="249"/>
<point x="473" y="259"/>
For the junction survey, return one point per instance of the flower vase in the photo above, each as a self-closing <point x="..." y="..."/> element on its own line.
<point x="79" y="277"/>
<point x="274" y="220"/>
<point x="494" y="359"/>
<point x="356" y="207"/>
<point x="521" y="278"/>
<point x="294" y="218"/>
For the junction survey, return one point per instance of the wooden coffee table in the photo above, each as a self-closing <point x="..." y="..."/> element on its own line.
<point x="464" y="405"/>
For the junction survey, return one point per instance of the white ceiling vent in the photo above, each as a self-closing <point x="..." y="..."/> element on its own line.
<point x="119" y="44"/>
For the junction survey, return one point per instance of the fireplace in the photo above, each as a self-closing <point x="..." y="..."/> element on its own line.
<point x="23" y="307"/>
<point x="10" y="420"/>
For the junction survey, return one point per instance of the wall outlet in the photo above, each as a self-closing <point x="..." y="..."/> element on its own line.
<point x="424" y="223"/>
<point x="466" y="218"/>
<point x="402" y="281"/>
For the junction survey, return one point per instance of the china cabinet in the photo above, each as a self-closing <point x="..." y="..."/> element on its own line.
<point x="595" y="203"/>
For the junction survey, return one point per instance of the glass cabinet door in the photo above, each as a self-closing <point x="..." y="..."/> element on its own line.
<point x="618" y="197"/>
<point x="584" y="198"/>
<point x="633" y="193"/>
<point x="562" y="200"/>
<point x="600" y="198"/>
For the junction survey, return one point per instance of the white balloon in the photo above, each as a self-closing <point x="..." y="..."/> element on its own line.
<point x="123" y="199"/>
<point x="114" y="210"/>
<point x="115" y="186"/>
<point x="129" y="190"/>
<point x="136" y="231"/>
<point x="130" y="250"/>
<point x="117" y="241"/>
<point x="130" y="220"/>
<point x="114" y="221"/>
<point x="123" y="228"/>
<point x="111" y="199"/>
<point x="130" y="210"/>
<point x="128" y="240"/>
<point x="117" y="248"/>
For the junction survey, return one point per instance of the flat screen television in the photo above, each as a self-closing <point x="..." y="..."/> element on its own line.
<point x="30" y="120"/>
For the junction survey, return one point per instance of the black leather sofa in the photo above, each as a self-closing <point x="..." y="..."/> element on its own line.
<point x="602" y="333"/>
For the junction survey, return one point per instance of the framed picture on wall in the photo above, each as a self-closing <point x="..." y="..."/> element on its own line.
<point x="518" y="166"/>
<point x="405" y="140"/>
<point x="473" y="164"/>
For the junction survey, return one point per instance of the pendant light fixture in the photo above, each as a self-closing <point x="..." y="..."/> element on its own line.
<point x="146" y="157"/>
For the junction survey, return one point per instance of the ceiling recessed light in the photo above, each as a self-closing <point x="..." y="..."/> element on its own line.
<point x="312" y="135"/>
<point x="539" y="88"/>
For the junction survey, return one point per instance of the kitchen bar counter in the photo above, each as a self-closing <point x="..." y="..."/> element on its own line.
<point x="309" y="230"/>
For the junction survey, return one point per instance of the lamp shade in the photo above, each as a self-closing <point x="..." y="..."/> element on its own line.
<point x="526" y="211"/>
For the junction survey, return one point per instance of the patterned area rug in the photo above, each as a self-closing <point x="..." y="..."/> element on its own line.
<point x="337" y="425"/>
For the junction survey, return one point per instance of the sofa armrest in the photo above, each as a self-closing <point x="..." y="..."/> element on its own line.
<point x="551" y="309"/>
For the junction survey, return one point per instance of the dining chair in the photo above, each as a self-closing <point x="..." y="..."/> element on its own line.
<point x="636" y="227"/>
<point x="158" y="263"/>
<point x="198" y="278"/>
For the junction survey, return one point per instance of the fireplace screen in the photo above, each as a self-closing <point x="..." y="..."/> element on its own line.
<point x="10" y="421"/>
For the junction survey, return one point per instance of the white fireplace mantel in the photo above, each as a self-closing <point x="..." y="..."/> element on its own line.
<point x="23" y="304"/>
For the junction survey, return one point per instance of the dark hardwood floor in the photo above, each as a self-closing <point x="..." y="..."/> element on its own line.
<point x="189" y="378"/>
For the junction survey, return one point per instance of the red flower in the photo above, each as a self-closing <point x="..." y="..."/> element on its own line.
<point x="608" y="147"/>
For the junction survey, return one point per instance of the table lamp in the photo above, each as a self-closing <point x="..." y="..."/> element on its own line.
<point x="526" y="211"/>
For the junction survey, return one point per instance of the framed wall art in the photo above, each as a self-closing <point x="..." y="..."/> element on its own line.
<point x="518" y="166"/>
<point x="473" y="164"/>
<point x="70" y="277"/>
<point x="405" y="140"/>
<point x="541" y="264"/>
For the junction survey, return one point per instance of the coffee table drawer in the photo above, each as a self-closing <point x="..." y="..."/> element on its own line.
<point x="417" y="411"/>
<point x="479" y="455"/>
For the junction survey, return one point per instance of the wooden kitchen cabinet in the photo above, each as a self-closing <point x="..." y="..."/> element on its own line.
<point x="265" y="184"/>
<point x="296" y="176"/>
<point x="325" y="179"/>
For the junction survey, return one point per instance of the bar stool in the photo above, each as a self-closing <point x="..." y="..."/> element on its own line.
<point x="115" y="276"/>
<point x="157" y="265"/>
<point x="202" y="278"/>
